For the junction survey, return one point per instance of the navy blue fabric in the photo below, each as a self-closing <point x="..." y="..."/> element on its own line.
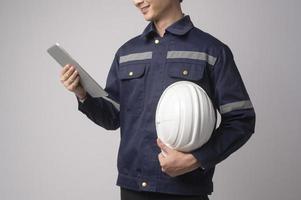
<point x="139" y="93"/>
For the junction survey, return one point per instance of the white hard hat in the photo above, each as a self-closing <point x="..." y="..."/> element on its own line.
<point x="185" y="116"/>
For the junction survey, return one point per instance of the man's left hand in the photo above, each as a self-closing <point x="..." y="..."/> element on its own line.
<point x="175" y="163"/>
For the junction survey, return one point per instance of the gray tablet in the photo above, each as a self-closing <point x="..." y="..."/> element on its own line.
<point x="88" y="83"/>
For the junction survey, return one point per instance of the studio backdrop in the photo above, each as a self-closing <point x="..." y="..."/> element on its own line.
<point x="51" y="151"/>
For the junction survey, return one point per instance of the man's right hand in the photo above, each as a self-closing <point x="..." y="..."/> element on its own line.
<point x="70" y="79"/>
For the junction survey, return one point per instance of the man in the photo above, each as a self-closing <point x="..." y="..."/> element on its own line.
<point x="142" y="68"/>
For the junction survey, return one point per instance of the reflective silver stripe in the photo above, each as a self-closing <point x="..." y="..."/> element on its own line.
<point x="136" y="56"/>
<point x="192" y="55"/>
<point x="235" y="106"/>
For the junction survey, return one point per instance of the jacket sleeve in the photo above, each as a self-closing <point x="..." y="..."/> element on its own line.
<point x="101" y="111"/>
<point x="237" y="112"/>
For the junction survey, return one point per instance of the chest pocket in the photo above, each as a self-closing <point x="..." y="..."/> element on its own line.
<point x="186" y="71"/>
<point x="132" y="89"/>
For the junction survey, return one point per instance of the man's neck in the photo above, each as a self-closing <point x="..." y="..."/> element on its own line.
<point x="167" y="20"/>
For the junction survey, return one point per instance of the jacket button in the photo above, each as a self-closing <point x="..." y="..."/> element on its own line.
<point x="144" y="184"/>
<point x="131" y="73"/>
<point x="185" y="72"/>
<point x="157" y="41"/>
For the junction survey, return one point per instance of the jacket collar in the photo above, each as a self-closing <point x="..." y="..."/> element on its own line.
<point x="180" y="27"/>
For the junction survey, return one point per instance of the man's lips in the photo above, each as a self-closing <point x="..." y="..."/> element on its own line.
<point x="144" y="9"/>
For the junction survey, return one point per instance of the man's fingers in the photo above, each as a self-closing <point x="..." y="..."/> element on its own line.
<point x="71" y="78"/>
<point x="65" y="69"/>
<point x="161" y="160"/>
<point x="72" y="86"/>
<point x="67" y="74"/>
<point x="160" y="144"/>
<point x="163" y="147"/>
<point x="161" y="157"/>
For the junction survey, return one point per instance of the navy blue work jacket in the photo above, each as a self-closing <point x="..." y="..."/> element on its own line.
<point x="142" y="68"/>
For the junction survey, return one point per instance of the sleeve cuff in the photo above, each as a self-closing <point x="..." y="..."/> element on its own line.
<point x="199" y="155"/>
<point x="82" y="100"/>
<point x="82" y="103"/>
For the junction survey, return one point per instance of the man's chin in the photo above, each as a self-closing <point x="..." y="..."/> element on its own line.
<point x="149" y="18"/>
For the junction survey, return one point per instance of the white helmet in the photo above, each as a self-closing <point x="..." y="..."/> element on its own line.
<point x="185" y="116"/>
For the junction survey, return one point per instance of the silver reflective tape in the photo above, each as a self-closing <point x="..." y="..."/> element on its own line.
<point x="235" y="106"/>
<point x="136" y="56"/>
<point x="192" y="55"/>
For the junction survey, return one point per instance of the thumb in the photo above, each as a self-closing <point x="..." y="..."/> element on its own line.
<point x="163" y="147"/>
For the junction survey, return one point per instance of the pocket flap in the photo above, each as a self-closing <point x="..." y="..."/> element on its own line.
<point x="131" y="71"/>
<point x="189" y="71"/>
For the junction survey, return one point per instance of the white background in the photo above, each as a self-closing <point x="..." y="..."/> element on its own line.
<point x="51" y="151"/>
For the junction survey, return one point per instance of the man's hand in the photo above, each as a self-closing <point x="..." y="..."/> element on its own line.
<point x="70" y="79"/>
<point x="175" y="163"/>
